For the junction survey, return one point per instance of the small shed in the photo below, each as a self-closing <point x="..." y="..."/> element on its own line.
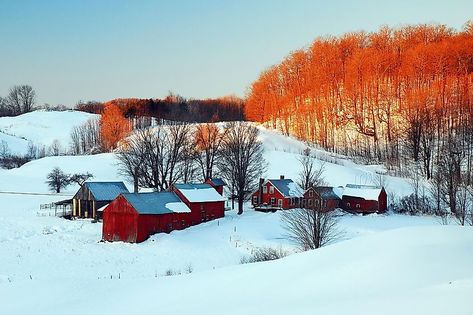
<point x="94" y="195"/>
<point x="364" y="199"/>
<point x="204" y="201"/>
<point x="216" y="183"/>
<point x="133" y="217"/>
<point x="321" y="198"/>
<point x="277" y="194"/>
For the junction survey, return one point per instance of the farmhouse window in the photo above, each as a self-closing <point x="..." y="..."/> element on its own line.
<point x="303" y="202"/>
<point x="310" y="203"/>
<point x="273" y="200"/>
<point x="265" y="189"/>
<point x="280" y="203"/>
<point x="271" y="189"/>
<point x="255" y="200"/>
<point x="311" y="193"/>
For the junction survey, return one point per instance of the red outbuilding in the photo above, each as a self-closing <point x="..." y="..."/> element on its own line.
<point x="321" y="198"/>
<point x="216" y="183"/>
<point x="364" y="199"/>
<point x="277" y="194"/>
<point x="133" y="217"/>
<point x="205" y="201"/>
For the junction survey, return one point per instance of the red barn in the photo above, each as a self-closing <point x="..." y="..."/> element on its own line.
<point x="133" y="217"/>
<point x="205" y="201"/>
<point x="364" y="199"/>
<point x="216" y="183"/>
<point x="277" y="194"/>
<point x="321" y="198"/>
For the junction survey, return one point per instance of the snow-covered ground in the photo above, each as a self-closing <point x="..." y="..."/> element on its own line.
<point x="388" y="264"/>
<point x="41" y="128"/>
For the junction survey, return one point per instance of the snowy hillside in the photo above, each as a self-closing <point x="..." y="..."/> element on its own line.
<point x="41" y="128"/>
<point x="401" y="264"/>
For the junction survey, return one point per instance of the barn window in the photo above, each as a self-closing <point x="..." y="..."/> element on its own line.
<point x="271" y="189"/>
<point x="255" y="200"/>
<point x="265" y="189"/>
<point x="310" y="202"/>
<point x="273" y="200"/>
<point x="292" y="201"/>
<point x="303" y="202"/>
<point x="357" y="205"/>
<point x="317" y="202"/>
<point x="280" y="203"/>
<point x="348" y="204"/>
<point x="201" y="207"/>
<point x="311" y="193"/>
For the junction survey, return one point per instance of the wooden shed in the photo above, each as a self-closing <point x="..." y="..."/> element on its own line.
<point x="94" y="195"/>
<point x="364" y="199"/>
<point x="216" y="183"/>
<point x="321" y="198"/>
<point x="133" y="217"/>
<point x="204" y="201"/>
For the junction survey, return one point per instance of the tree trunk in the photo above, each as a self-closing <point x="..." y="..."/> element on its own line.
<point x="240" y="205"/>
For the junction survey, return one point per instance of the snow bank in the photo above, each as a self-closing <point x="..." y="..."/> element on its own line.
<point x="404" y="271"/>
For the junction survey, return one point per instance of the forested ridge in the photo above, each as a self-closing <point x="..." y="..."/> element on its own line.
<point x="392" y="96"/>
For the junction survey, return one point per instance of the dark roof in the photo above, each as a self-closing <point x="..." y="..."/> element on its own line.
<point x="155" y="202"/>
<point x="287" y="187"/>
<point x="104" y="191"/>
<point x="326" y="192"/>
<point x="218" y="181"/>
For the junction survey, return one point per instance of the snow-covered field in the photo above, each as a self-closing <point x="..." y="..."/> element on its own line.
<point x="389" y="264"/>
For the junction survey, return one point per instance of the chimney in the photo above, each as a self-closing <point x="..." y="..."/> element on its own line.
<point x="281" y="177"/>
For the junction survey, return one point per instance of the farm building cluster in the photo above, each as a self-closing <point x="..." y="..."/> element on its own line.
<point x="133" y="217"/>
<point x="282" y="194"/>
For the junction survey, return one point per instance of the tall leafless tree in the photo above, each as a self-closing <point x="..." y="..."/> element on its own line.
<point x="208" y="140"/>
<point x="242" y="160"/>
<point x="151" y="157"/>
<point x="21" y="99"/>
<point x="311" y="174"/>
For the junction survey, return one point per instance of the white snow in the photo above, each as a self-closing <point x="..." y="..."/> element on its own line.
<point x="294" y="190"/>
<point x="42" y="128"/>
<point x="178" y="207"/>
<point x="202" y="194"/>
<point x="389" y="264"/>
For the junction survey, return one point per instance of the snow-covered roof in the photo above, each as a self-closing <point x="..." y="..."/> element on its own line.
<point x="287" y="187"/>
<point x="101" y="209"/>
<point x="362" y="191"/>
<point x="156" y="202"/>
<point x="103" y="191"/>
<point x="218" y="181"/>
<point x="326" y="192"/>
<point x="199" y="192"/>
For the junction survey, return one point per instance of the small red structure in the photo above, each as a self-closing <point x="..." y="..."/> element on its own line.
<point x="364" y="199"/>
<point x="134" y="217"/>
<point x="277" y="194"/>
<point x="321" y="198"/>
<point x="216" y="183"/>
<point x="205" y="201"/>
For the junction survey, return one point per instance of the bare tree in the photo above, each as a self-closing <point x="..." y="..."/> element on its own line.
<point x="311" y="228"/>
<point x="208" y="139"/>
<point x="131" y="156"/>
<point x="85" y="139"/>
<point x="311" y="174"/>
<point x="21" y="99"/>
<point x="80" y="178"/>
<point x="55" y="149"/>
<point x="57" y="180"/>
<point x="242" y="159"/>
<point x="151" y="157"/>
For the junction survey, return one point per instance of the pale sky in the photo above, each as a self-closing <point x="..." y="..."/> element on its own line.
<point x="104" y="49"/>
